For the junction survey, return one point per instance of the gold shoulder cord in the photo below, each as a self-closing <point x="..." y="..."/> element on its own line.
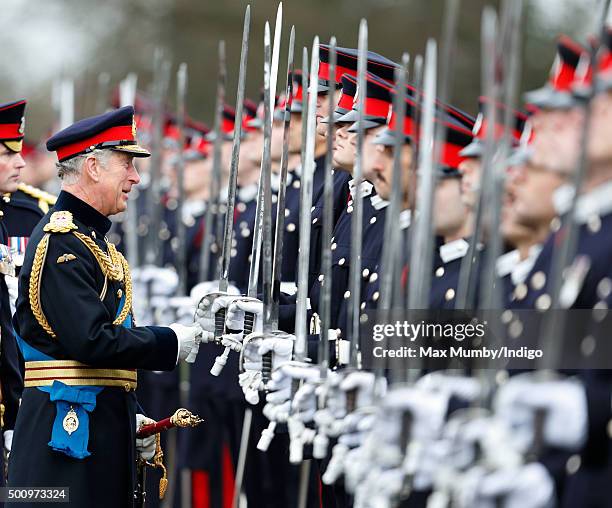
<point x="113" y="265"/>
<point x="34" y="289"/>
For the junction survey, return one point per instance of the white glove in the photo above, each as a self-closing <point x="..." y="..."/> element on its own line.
<point x="202" y="289"/>
<point x="250" y="382"/>
<point x="183" y="309"/>
<point x="467" y="388"/>
<point x="189" y="338"/>
<point x="563" y="402"/>
<point x="11" y="284"/>
<point x="529" y="486"/>
<point x="281" y="348"/>
<point x="208" y="306"/>
<point x="363" y="382"/>
<point x="232" y="341"/>
<point x="145" y="447"/>
<point x="234" y="318"/>
<point x="8" y="440"/>
<point x="163" y="281"/>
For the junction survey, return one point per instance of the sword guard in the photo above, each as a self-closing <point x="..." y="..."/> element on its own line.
<point x="219" y="324"/>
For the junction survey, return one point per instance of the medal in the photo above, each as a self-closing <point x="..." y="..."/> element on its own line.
<point x="71" y="421"/>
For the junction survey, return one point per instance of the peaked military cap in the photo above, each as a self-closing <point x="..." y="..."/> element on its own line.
<point x="228" y="120"/>
<point x="346" y="63"/>
<point x="377" y="102"/>
<point x="12" y="124"/>
<point x="557" y="92"/>
<point x="347" y="95"/>
<point x="481" y="131"/>
<point x="115" y="130"/>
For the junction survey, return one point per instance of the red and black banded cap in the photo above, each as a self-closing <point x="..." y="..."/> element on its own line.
<point x="115" y="130"/>
<point x="12" y="124"/>
<point x="347" y="95"/>
<point x="346" y="63"/>
<point x="481" y="129"/>
<point x="378" y="99"/>
<point x="557" y="92"/>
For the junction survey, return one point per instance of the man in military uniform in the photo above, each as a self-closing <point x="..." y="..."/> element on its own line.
<point x="73" y="323"/>
<point x="11" y="380"/>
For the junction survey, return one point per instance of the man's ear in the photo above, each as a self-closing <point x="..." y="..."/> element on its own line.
<point x="92" y="168"/>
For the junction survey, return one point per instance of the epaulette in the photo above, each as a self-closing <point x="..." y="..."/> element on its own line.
<point x="45" y="199"/>
<point x="60" y="222"/>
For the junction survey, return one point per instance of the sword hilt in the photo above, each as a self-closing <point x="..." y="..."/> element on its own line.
<point x="249" y="323"/>
<point x="219" y="324"/>
<point x="266" y="367"/>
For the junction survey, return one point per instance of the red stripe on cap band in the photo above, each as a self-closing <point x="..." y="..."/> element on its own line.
<point x="118" y="134"/>
<point x="346" y="101"/>
<point x="10" y="131"/>
<point x="376" y="107"/>
<point x="563" y="77"/>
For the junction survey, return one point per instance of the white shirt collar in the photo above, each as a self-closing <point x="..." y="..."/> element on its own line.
<point x="523" y="268"/>
<point x="378" y="203"/>
<point x="192" y="209"/>
<point x="453" y="250"/>
<point x="247" y="193"/>
<point x="365" y="188"/>
<point x="506" y="262"/>
<point x="594" y="202"/>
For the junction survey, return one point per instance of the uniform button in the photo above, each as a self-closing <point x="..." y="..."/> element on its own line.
<point x="312" y="209"/>
<point x="233" y="253"/>
<point x="538" y="280"/>
<point x="573" y="464"/>
<point x="241" y="207"/>
<point x="244" y="224"/>
<point x="604" y="288"/>
<point x="287" y="212"/>
<point x="250" y="258"/>
<point x="594" y="223"/>
<point x="334" y="246"/>
<point x="372" y="220"/>
<point x="587" y="345"/>
<point x="506" y="317"/>
<point x="520" y="291"/>
<point x="363" y="318"/>
<point x="214" y="248"/>
<point x="119" y="293"/>
<point x="341" y="261"/>
<point x="610" y="429"/>
<point x="349" y="209"/>
<point x="291" y="227"/>
<point x="314" y="221"/>
<point x="93" y="234"/>
<point x="274" y="198"/>
<point x="234" y="242"/>
<point x="374" y="277"/>
<point x="440" y="272"/>
<point x="365" y="273"/>
<point x="362" y="306"/>
<point x="449" y="295"/>
<point x="515" y="330"/>
<point x="555" y="224"/>
<point x="321" y="277"/>
<point x="245" y="232"/>
<point x="347" y="294"/>
<point x="296" y="184"/>
<point x="543" y="302"/>
<point x="376" y="296"/>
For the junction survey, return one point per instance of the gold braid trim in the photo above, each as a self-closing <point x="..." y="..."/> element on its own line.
<point x="127" y="304"/>
<point x="34" y="289"/>
<point x="110" y="263"/>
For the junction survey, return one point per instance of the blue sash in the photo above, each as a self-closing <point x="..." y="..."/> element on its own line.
<point x="80" y="400"/>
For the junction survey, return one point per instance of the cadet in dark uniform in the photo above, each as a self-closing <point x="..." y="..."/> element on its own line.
<point x="12" y="126"/>
<point x="77" y="419"/>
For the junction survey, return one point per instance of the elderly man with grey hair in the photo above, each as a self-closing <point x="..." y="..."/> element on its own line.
<point x="78" y="419"/>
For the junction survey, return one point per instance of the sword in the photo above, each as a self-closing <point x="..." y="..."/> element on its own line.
<point x="390" y="253"/>
<point x="280" y="204"/>
<point x="214" y="198"/>
<point x="357" y="219"/>
<point x="231" y="197"/>
<point x="328" y="227"/>
<point x="181" y="92"/>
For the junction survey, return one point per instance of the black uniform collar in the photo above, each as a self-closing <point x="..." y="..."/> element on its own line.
<point x="83" y="212"/>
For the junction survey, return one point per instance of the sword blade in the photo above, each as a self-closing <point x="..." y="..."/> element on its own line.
<point x="181" y="252"/>
<point x="305" y="202"/>
<point x="231" y="194"/>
